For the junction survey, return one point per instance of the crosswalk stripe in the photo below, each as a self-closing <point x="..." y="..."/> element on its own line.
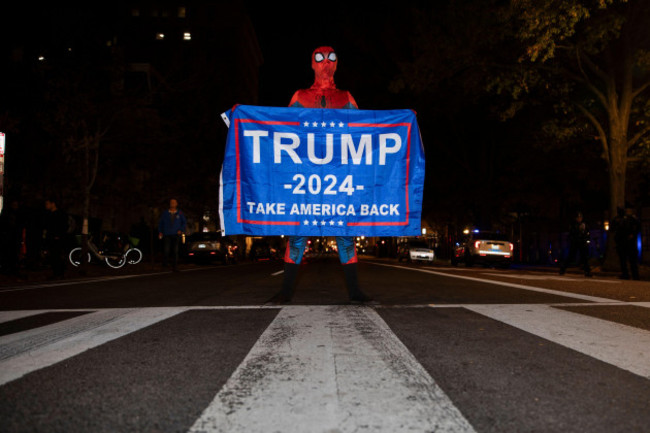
<point x="8" y="316"/>
<point x="28" y="351"/>
<point x="616" y="344"/>
<point x="330" y="368"/>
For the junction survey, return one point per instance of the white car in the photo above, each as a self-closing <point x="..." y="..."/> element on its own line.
<point x="483" y="247"/>
<point x="415" y="250"/>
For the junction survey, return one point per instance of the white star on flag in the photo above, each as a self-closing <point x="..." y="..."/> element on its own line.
<point x="322" y="223"/>
<point x="315" y="223"/>
<point x="306" y="222"/>
<point x="306" y="123"/>
<point x="340" y="223"/>
<point x="332" y="124"/>
<point x="341" y="124"/>
<point x="332" y="223"/>
<point x="315" y="124"/>
<point x="323" y="124"/>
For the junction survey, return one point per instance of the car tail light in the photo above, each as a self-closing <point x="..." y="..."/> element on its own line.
<point x="477" y="244"/>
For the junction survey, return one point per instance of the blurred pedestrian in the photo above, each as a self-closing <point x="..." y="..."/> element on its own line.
<point x="171" y="227"/>
<point x="55" y="233"/>
<point x="626" y="227"/>
<point x="578" y="245"/>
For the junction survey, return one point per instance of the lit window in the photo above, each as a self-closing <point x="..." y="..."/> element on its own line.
<point x="160" y="36"/>
<point x="181" y="12"/>
<point x="187" y="36"/>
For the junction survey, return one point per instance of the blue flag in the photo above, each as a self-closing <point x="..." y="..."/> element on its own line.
<point x="321" y="172"/>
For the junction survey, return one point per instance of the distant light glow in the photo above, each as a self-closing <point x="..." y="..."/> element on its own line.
<point x="187" y="36"/>
<point x="41" y="58"/>
<point x="160" y="36"/>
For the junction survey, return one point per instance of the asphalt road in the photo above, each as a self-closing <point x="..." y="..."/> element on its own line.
<point x="446" y="350"/>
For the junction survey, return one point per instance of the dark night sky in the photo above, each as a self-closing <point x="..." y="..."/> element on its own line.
<point x="371" y="38"/>
<point x="288" y="35"/>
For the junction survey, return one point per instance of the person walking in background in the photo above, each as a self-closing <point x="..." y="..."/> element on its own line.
<point x="170" y="229"/>
<point x="626" y="228"/>
<point x="578" y="245"/>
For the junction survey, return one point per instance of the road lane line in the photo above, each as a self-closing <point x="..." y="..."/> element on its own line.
<point x="623" y="346"/>
<point x="547" y="277"/>
<point x="27" y="351"/>
<point x="330" y="369"/>
<point x="502" y="283"/>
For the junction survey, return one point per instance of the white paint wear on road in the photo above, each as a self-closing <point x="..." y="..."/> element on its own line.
<point x="623" y="346"/>
<point x="31" y="350"/>
<point x="330" y="369"/>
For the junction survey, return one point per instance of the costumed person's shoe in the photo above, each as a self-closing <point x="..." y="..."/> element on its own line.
<point x="286" y="293"/>
<point x="354" y="292"/>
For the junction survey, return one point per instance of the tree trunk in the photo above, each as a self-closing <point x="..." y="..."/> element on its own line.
<point x="617" y="176"/>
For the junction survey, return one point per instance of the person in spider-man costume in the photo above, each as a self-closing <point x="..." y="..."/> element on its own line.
<point x="322" y="94"/>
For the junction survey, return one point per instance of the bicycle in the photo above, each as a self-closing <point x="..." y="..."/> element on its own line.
<point x="123" y="253"/>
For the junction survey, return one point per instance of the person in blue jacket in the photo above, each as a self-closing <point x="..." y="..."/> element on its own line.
<point x="170" y="229"/>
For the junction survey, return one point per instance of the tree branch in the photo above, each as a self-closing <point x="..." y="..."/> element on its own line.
<point x="602" y="135"/>
<point x="641" y="89"/>
<point x="632" y="141"/>
<point x="594" y="68"/>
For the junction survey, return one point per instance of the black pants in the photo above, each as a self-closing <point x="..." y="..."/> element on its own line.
<point x="170" y="250"/>
<point x="56" y="256"/>
<point x="574" y="250"/>
<point x="628" y="255"/>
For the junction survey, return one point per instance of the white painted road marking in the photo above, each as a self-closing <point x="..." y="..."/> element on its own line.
<point x="8" y="316"/>
<point x="330" y="369"/>
<point x="31" y="350"/>
<point x="521" y="276"/>
<point x="502" y="283"/>
<point x="616" y="344"/>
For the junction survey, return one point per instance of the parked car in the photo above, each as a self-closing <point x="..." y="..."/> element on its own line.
<point x="261" y="250"/>
<point x="483" y="247"/>
<point x="415" y="250"/>
<point x="210" y="246"/>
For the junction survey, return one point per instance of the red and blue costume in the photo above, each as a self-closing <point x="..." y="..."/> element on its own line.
<point x="322" y="94"/>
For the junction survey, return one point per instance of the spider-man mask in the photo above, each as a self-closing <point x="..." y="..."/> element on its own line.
<point x="323" y="62"/>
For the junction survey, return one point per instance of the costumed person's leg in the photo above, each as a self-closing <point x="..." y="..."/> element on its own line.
<point x="348" y="257"/>
<point x="292" y="258"/>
